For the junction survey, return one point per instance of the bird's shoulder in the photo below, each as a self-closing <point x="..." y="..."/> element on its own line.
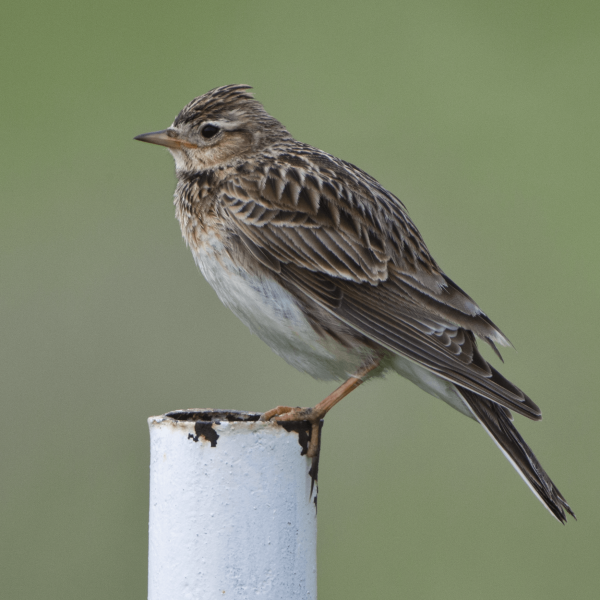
<point x="303" y="208"/>
<point x="297" y="190"/>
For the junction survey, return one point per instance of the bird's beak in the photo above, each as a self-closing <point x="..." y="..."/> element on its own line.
<point x="166" y="137"/>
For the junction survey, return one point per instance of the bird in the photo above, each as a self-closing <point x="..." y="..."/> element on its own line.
<point x="326" y="267"/>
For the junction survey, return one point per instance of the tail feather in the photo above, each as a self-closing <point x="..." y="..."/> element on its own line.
<point x="496" y="420"/>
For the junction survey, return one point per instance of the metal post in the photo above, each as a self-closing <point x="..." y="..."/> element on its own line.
<point x="232" y="508"/>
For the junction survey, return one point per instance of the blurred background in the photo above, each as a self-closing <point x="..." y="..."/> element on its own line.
<point x="481" y="116"/>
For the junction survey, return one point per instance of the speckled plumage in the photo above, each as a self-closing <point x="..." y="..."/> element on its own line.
<point x="326" y="266"/>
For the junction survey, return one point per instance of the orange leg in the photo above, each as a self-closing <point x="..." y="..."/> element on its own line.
<point x="318" y="412"/>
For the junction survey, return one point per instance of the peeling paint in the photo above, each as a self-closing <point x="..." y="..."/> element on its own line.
<point x="304" y="431"/>
<point x="228" y="516"/>
<point x="205" y="429"/>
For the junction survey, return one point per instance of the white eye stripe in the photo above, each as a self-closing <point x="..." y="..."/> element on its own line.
<point x="224" y="125"/>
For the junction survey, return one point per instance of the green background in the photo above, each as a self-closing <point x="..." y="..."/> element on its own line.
<point x="482" y="116"/>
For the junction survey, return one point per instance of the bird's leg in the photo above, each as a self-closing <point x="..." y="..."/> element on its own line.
<point x="318" y="412"/>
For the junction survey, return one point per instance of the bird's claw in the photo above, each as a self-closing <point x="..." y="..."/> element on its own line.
<point x="298" y="414"/>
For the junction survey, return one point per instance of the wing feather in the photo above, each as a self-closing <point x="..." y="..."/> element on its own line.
<point x="334" y="235"/>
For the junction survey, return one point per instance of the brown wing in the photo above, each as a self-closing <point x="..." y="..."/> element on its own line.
<point x="334" y="234"/>
<point x="390" y="314"/>
<point x="329" y="217"/>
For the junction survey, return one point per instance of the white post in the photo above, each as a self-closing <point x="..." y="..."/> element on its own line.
<point x="232" y="508"/>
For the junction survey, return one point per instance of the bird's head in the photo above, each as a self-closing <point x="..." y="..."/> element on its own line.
<point x="214" y="128"/>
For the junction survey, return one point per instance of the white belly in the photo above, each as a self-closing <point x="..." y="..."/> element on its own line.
<point x="431" y="383"/>
<point x="272" y="313"/>
<point x="274" y="316"/>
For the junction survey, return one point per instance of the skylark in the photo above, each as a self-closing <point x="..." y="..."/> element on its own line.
<point x="326" y="267"/>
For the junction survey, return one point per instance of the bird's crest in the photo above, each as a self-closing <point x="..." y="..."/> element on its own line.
<point x="217" y="102"/>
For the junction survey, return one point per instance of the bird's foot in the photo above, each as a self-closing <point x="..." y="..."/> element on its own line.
<point x="315" y="415"/>
<point x="310" y="415"/>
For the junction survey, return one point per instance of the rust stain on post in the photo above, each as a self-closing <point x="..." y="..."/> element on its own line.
<point x="205" y="429"/>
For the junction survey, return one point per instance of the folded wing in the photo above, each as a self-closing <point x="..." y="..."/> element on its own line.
<point x="332" y="234"/>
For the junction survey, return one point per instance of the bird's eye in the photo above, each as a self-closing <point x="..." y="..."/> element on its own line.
<point x="209" y="131"/>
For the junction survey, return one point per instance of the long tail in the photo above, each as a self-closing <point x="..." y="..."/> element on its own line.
<point x="497" y="421"/>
